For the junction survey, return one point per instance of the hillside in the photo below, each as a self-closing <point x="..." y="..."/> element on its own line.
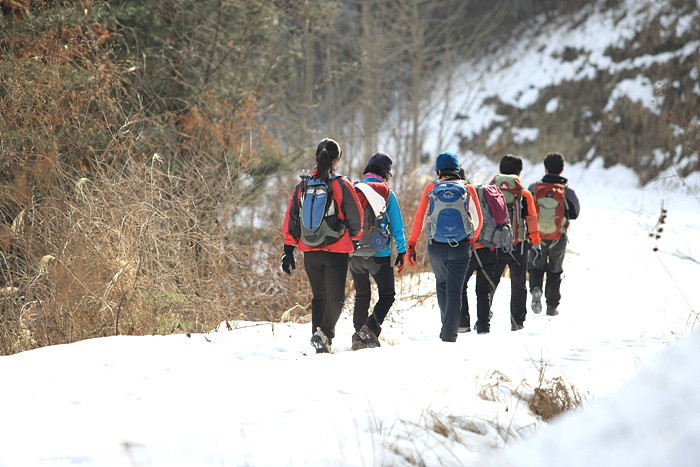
<point x="615" y="79"/>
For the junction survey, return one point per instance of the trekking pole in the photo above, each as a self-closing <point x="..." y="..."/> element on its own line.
<point x="483" y="271"/>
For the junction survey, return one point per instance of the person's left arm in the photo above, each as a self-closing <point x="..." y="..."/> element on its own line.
<point x="352" y="208"/>
<point x="396" y="226"/>
<point x="572" y="201"/>
<point x="475" y="211"/>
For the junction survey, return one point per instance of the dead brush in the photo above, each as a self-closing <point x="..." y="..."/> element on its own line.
<point x="123" y="216"/>
<point x="490" y="388"/>
<point x="552" y="397"/>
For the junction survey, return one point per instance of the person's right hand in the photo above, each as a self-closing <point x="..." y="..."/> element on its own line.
<point x="288" y="259"/>
<point x="412" y="256"/>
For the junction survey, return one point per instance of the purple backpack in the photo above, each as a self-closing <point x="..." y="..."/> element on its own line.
<point x="496" y="231"/>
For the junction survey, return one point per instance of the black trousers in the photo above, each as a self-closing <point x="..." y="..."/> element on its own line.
<point x="552" y="263"/>
<point x="327" y="272"/>
<point x="382" y="270"/>
<point x="518" y="279"/>
<point x="450" y="266"/>
<point x="484" y="291"/>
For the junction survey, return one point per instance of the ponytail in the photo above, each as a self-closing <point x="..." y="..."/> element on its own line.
<point x="326" y="152"/>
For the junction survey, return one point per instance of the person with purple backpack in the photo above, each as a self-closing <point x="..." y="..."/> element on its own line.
<point x="495" y="233"/>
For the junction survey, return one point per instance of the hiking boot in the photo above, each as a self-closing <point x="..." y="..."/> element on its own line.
<point x="536" y="300"/>
<point x="552" y="311"/>
<point x="516" y="327"/>
<point x="464" y="329"/>
<point x="483" y="331"/>
<point x="369" y="337"/>
<point x="357" y="342"/>
<point x="321" y="342"/>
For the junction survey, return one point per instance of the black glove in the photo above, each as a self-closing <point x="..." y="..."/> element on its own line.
<point x="400" y="262"/>
<point x="537" y="249"/>
<point x="288" y="259"/>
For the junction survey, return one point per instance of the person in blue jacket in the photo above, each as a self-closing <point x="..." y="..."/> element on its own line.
<point x="379" y="265"/>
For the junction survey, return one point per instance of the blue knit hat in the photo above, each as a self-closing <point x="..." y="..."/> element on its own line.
<point x="382" y="160"/>
<point x="446" y="160"/>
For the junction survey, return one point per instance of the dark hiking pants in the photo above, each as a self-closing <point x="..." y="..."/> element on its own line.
<point x="450" y="266"/>
<point x="484" y="292"/>
<point x="517" y="264"/>
<point x="552" y="263"/>
<point x="327" y="272"/>
<point x="382" y="270"/>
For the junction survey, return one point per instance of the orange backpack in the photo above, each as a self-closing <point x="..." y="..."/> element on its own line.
<point x="550" y="200"/>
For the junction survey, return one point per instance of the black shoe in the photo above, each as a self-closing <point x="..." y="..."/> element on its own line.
<point x="368" y="337"/>
<point x="516" y="327"/>
<point x="464" y="329"/>
<point x="483" y="331"/>
<point x="357" y="342"/>
<point x="552" y="311"/>
<point x="536" y="300"/>
<point x="320" y="341"/>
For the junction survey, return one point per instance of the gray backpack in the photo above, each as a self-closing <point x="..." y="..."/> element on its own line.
<point x="496" y="231"/>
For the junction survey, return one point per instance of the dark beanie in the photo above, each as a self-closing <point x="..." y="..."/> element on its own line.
<point x="381" y="160"/>
<point x="446" y="160"/>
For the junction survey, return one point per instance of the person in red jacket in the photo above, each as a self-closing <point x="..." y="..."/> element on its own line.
<point x="524" y="224"/>
<point x="449" y="260"/>
<point x="326" y="264"/>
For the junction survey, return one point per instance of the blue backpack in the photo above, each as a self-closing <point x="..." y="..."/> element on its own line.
<point x="449" y="220"/>
<point x="319" y="218"/>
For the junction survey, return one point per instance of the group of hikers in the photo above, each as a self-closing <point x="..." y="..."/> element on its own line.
<point x="484" y="228"/>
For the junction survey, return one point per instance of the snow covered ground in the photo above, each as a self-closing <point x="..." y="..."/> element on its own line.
<point x="257" y="394"/>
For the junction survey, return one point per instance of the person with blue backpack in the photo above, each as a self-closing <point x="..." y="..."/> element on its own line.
<point x="450" y="208"/>
<point x="324" y="219"/>
<point x="383" y="223"/>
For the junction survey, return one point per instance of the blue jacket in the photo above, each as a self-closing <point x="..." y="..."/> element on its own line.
<point x="394" y="218"/>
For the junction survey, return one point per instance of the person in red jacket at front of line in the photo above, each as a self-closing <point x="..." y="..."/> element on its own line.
<point x="449" y="261"/>
<point x="524" y="223"/>
<point x="327" y="264"/>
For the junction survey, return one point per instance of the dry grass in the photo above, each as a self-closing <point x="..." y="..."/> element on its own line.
<point x="553" y="396"/>
<point x="489" y="388"/>
<point x="117" y="221"/>
<point x="123" y="255"/>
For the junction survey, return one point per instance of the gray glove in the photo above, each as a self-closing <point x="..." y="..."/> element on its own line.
<point x="537" y="250"/>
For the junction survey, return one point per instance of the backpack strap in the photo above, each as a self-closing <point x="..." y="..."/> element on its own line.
<point x="375" y="200"/>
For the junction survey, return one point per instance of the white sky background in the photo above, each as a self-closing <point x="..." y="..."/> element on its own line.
<point x="258" y="395"/>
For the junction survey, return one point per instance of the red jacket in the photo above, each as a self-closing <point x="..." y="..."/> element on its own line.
<point x="349" y="212"/>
